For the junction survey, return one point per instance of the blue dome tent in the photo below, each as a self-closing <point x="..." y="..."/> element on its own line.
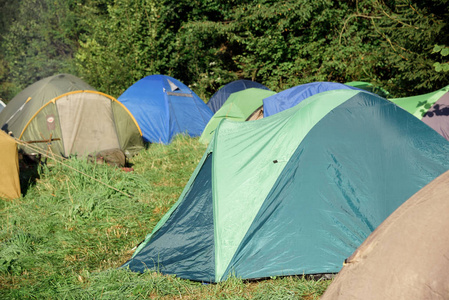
<point x="164" y="107"/>
<point x="289" y="98"/>
<point x="220" y="97"/>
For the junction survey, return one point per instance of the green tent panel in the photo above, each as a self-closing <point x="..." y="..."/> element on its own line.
<point x="191" y="221"/>
<point x="63" y="114"/>
<point x="295" y="193"/>
<point x="431" y="108"/>
<point x="420" y="104"/>
<point x="367" y="86"/>
<point x="241" y="106"/>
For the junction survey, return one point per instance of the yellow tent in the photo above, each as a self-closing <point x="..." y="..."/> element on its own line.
<point x="9" y="170"/>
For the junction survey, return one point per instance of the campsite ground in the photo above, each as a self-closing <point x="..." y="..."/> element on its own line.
<point x="68" y="234"/>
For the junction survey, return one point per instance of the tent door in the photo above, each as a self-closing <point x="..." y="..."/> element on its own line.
<point x="87" y="123"/>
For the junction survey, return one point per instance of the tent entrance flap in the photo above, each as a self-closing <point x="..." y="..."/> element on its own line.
<point x="173" y="86"/>
<point x="86" y="122"/>
<point x="256" y="115"/>
<point x="189" y="232"/>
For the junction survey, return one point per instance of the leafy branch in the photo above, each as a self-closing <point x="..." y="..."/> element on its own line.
<point x="444" y="51"/>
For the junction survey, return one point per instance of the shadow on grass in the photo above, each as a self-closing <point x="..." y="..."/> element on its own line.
<point x="29" y="171"/>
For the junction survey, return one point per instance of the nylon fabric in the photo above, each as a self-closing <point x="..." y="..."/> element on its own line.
<point x="352" y="170"/>
<point x="182" y="116"/>
<point x="184" y="244"/>
<point x="238" y="107"/>
<point x="33" y="116"/>
<point x="292" y="96"/>
<point x="406" y="257"/>
<point x="295" y="193"/>
<point x="173" y="86"/>
<point x="243" y="178"/>
<point x="367" y="86"/>
<point x="43" y="127"/>
<point x="219" y="98"/>
<point x="18" y="111"/>
<point x="162" y="116"/>
<point x="128" y="132"/>
<point x="87" y="123"/>
<point x="437" y="117"/>
<point x="180" y="199"/>
<point x="256" y="115"/>
<point x="418" y="105"/>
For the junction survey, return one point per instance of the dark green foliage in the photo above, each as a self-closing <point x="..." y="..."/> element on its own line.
<point x="132" y="39"/>
<point x="39" y="40"/>
<point x="7" y="15"/>
<point x="207" y="43"/>
<point x="406" y="32"/>
<point x="444" y="51"/>
<point x="16" y="253"/>
<point x="281" y="44"/>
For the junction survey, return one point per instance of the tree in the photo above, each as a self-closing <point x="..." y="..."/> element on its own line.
<point x="444" y="51"/>
<point x="127" y="40"/>
<point x="40" y="40"/>
<point x="405" y="32"/>
<point x="7" y="15"/>
<point x="207" y="43"/>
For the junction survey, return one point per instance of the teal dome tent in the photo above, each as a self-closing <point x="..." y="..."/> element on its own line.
<point x="295" y="193"/>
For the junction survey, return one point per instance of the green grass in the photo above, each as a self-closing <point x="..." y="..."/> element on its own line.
<point x="66" y="237"/>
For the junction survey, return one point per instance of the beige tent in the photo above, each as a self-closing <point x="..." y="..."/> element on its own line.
<point x="64" y="114"/>
<point x="9" y="167"/>
<point x="406" y="257"/>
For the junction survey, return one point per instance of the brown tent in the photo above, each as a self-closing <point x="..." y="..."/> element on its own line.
<point x="9" y="167"/>
<point x="406" y="257"/>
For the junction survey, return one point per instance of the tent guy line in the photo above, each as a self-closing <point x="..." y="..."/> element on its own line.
<point x="53" y="156"/>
